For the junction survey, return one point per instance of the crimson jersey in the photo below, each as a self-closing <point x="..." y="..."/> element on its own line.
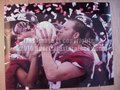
<point x="83" y="59"/>
<point x="11" y="78"/>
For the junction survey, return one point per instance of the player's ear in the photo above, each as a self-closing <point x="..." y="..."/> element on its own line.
<point x="76" y="35"/>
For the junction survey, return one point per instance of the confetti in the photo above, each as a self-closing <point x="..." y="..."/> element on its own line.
<point x="35" y="5"/>
<point x="81" y="9"/>
<point x="41" y="7"/>
<point x="50" y="20"/>
<point x="101" y="33"/>
<point x="61" y="11"/>
<point x="45" y="15"/>
<point x="9" y="18"/>
<point x="94" y="16"/>
<point x="96" y="3"/>
<point x="78" y="12"/>
<point x="31" y="12"/>
<point x="73" y="4"/>
<point x="99" y="69"/>
<point x="64" y="13"/>
<point x="44" y="11"/>
<point x="37" y="11"/>
<point x="14" y="15"/>
<point x="107" y="4"/>
<point x="54" y="14"/>
<point x="57" y="8"/>
<point x="8" y="8"/>
<point x="55" y="5"/>
<point x="70" y="11"/>
<point x="63" y="3"/>
<point x="17" y="5"/>
<point x="16" y="10"/>
<point x="65" y="19"/>
<point x="25" y="4"/>
<point x="95" y="7"/>
<point x="23" y="9"/>
<point x="87" y="4"/>
<point x="48" y="9"/>
<point x="48" y="5"/>
<point x="21" y="16"/>
<point x="27" y="88"/>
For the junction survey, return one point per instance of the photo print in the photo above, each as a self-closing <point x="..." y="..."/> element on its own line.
<point x="58" y="45"/>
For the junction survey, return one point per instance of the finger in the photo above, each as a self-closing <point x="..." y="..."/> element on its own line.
<point x="46" y="34"/>
<point x="50" y="36"/>
<point x="42" y="34"/>
<point x="22" y="24"/>
<point x="36" y="40"/>
<point x="53" y="39"/>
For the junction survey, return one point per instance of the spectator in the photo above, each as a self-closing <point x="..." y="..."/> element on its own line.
<point x="22" y="72"/>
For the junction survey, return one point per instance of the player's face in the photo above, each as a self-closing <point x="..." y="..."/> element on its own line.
<point x="67" y="31"/>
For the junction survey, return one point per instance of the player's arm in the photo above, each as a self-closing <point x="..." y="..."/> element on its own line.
<point x="64" y="71"/>
<point x="27" y="79"/>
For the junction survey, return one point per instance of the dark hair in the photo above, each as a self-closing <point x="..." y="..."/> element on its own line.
<point x="84" y="31"/>
<point x="87" y="35"/>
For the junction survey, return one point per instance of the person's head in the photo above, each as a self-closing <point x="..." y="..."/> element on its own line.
<point x="75" y="29"/>
<point x="23" y="27"/>
<point x="25" y="22"/>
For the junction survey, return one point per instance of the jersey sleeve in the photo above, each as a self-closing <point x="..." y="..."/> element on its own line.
<point x="81" y="59"/>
